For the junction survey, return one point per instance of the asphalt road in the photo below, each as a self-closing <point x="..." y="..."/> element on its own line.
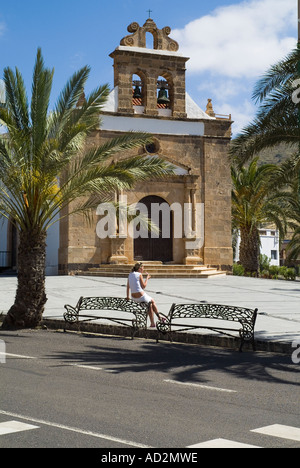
<point x="69" y="390"/>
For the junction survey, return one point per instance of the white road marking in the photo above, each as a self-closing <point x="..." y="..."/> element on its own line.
<point x="75" y="429"/>
<point x="19" y="356"/>
<point x="10" y="427"/>
<point x="221" y="443"/>
<point x="205" y="387"/>
<point x="85" y="366"/>
<point x="278" y="430"/>
<point x="82" y="366"/>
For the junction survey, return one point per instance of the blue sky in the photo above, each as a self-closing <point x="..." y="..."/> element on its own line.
<point x="230" y="43"/>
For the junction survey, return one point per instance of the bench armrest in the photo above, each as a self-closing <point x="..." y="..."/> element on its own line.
<point x="71" y="315"/>
<point x="164" y="325"/>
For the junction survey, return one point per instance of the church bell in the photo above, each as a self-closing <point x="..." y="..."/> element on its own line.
<point x="137" y="93"/>
<point x="163" y="97"/>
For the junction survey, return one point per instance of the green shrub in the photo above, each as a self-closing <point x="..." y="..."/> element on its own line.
<point x="264" y="262"/>
<point x="290" y="274"/>
<point x="238" y="270"/>
<point x="287" y="273"/>
<point x="282" y="271"/>
<point x="274" y="270"/>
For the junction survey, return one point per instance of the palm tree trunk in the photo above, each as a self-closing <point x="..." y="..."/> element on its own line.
<point x="250" y="249"/>
<point x="30" y="299"/>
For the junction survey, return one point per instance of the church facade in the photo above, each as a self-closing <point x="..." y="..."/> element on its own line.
<point x="149" y="95"/>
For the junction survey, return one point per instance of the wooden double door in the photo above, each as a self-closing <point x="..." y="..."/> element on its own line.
<point x="158" y="248"/>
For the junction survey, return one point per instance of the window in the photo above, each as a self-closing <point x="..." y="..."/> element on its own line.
<point x="153" y="148"/>
<point x="149" y="40"/>
<point x="274" y="254"/>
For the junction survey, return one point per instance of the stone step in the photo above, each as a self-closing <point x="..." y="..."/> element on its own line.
<point x="148" y="266"/>
<point x="154" y="275"/>
<point x="156" y="270"/>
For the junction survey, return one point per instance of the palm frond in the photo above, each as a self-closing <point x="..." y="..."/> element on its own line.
<point x="277" y="75"/>
<point x="277" y="120"/>
<point x="16" y="100"/>
<point x="69" y="97"/>
<point x="41" y="89"/>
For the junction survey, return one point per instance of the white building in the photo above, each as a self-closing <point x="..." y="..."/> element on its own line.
<point x="9" y="242"/>
<point x="269" y="240"/>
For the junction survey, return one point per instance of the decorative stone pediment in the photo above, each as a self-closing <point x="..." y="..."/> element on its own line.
<point x="138" y="36"/>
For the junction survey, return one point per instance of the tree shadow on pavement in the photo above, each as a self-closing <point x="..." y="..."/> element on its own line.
<point x="185" y="363"/>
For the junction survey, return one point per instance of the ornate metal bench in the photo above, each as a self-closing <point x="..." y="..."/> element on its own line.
<point x="139" y="311"/>
<point x="185" y="312"/>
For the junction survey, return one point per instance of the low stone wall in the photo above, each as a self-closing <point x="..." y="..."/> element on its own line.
<point x="201" y="339"/>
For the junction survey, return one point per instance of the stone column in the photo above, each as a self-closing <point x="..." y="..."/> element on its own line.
<point x="190" y="217"/>
<point x="118" y="240"/>
<point x="118" y="256"/>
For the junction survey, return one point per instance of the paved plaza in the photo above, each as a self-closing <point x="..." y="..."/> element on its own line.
<point x="278" y="302"/>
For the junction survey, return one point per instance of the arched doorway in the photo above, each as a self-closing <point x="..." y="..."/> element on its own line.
<point x="159" y="248"/>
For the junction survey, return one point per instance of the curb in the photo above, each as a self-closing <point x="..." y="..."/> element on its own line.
<point x="185" y="338"/>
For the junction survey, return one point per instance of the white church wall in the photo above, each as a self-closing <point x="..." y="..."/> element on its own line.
<point x="163" y="127"/>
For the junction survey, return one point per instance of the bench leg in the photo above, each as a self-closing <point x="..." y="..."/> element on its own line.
<point x="242" y="343"/>
<point x="161" y="334"/>
<point x="133" y="332"/>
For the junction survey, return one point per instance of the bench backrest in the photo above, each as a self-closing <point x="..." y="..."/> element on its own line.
<point x="213" y="311"/>
<point x="111" y="303"/>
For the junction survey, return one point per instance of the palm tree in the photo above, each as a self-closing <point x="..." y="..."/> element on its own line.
<point x="45" y="167"/>
<point x="255" y="201"/>
<point x="277" y="120"/>
<point x="293" y="247"/>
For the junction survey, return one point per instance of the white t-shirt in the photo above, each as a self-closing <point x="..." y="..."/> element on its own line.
<point x="134" y="282"/>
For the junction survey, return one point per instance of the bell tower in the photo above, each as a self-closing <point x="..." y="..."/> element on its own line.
<point x="150" y="81"/>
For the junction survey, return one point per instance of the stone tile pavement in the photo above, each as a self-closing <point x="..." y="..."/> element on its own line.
<point x="278" y="301"/>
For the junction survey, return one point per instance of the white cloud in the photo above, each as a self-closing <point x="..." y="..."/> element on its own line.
<point x="76" y="61"/>
<point x="241" y="113"/>
<point x="240" y="40"/>
<point x="223" y="88"/>
<point x="232" y="47"/>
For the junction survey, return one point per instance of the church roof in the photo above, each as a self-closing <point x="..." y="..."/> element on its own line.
<point x="145" y="50"/>
<point x="194" y="111"/>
